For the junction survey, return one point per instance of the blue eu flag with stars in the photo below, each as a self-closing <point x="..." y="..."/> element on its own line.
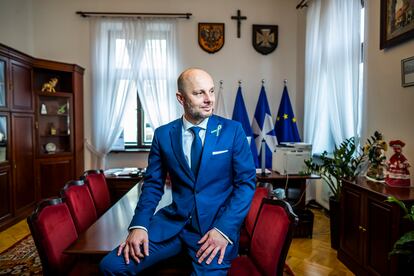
<point x="240" y="115"/>
<point x="285" y="126"/>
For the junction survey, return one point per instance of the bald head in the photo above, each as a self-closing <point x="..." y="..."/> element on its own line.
<point x="190" y="76"/>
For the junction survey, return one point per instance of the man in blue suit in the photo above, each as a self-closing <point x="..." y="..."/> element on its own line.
<point x="212" y="175"/>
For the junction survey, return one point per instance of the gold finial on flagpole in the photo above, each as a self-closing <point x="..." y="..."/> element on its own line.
<point x="263" y="81"/>
<point x="240" y="82"/>
<point x="285" y="81"/>
<point x="221" y="83"/>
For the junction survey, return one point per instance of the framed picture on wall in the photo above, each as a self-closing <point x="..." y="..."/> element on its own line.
<point x="407" y="72"/>
<point x="397" y="22"/>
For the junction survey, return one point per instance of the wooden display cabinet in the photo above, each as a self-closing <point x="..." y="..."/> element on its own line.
<point x="29" y="171"/>
<point x="59" y="133"/>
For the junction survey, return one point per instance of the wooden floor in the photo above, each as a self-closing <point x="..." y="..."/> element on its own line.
<point x="315" y="256"/>
<point x="306" y="256"/>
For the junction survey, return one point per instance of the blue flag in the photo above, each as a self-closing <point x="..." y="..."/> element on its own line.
<point x="285" y="127"/>
<point x="263" y="130"/>
<point x="240" y="115"/>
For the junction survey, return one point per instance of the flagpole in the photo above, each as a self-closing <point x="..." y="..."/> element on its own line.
<point x="263" y="157"/>
<point x="285" y="82"/>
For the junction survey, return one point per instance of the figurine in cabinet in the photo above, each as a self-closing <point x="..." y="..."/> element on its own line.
<point x="50" y="85"/>
<point x="397" y="166"/>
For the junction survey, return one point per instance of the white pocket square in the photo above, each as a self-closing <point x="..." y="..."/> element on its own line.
<point x="219" y="152"/>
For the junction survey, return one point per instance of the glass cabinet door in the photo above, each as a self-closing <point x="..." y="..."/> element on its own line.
<point x="2" y="83"/>
<point x="3" y="138"/>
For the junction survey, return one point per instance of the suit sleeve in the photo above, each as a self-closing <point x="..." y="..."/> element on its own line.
<point x="244" y="183"/>
<point x="153" y="187"/>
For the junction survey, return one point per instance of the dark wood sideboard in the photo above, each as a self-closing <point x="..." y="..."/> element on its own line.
<point x="370" y="226"/>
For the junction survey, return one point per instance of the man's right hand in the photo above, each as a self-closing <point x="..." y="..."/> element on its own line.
<point x="133" y="245"/>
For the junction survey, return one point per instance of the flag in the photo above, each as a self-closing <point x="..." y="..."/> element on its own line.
<point x="240" y="115"/>
<point x="221" y="108"/>
<point x="285" y="127"/>
<point x="263" y="129"/>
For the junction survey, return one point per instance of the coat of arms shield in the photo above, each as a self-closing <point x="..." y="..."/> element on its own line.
<point x="211" y="36"/>
<point x="265" y="38"/>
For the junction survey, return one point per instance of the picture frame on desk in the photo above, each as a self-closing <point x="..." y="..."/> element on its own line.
<point x="397" y="22"/>
<point x="407" y="72"/>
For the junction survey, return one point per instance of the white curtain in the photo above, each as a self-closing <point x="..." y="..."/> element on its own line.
<point x="333" y="51"/>
<point x="157" y="79"/>
<point x="119" y="52"/>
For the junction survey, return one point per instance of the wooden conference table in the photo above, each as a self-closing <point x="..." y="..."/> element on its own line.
<point x="109" y="230"/>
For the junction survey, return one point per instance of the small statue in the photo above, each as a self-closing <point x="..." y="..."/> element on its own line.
<point x="397" y="166"/>
<point x="50" y="86"/>
<point x="376" y="157"/>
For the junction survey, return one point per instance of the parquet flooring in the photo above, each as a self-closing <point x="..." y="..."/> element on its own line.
<point x="13" y="234"/>
<point x="308" y="257"/>
<point x="314" y="257"/>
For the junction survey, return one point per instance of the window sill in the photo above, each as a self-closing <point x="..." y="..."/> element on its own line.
<point x="137" y="150"/>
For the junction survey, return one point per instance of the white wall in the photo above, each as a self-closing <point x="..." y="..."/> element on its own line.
<point x="389" y="107"/>
<point x="50" y="29"/>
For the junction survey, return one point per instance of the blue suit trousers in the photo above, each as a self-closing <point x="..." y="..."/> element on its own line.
<point x="187" y="239"/>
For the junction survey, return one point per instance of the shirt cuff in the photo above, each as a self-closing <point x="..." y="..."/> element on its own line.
<point x="138" y="227"/>
<point x="224" y="235"/>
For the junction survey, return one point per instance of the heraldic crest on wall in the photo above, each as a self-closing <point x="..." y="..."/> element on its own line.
<point x="265" y="38"/>
<point x="211" y="36"/>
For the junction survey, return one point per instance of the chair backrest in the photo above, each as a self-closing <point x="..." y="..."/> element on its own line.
<point x="53" y="231"/>
<point x="95" y="180"/>
<point x="79" y="200"/>
<point x="250" y="219"/>
<point x="272" y="236"/>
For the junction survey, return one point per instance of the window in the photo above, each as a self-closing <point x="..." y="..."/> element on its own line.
<point x="334" y="71"/>
<point x="137" y="130"/>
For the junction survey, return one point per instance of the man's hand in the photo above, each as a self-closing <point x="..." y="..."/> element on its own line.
<point x="132" y="245"/>
<point x="213" y="242"/>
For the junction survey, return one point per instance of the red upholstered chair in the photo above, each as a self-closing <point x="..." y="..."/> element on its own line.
<point x="79" y="200"/>
<point x="247" y="229"/>
<point x="272" y="235"/>
<point x="95" y="180"/>
<point x="53" y="231"/>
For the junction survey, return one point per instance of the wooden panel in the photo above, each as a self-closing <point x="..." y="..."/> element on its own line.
<point x="351" y="241"/>
<point x="379" y="243"/>
<point x="21" y="94"/>
<point x="5" y="194"/>
<point x="23" y="162"/>
<point x="53" y="174"/>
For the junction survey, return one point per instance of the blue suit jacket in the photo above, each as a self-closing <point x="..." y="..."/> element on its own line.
<point x="222" y="192"/>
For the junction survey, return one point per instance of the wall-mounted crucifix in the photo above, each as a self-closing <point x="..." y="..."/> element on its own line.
<point x="239" y="18"/>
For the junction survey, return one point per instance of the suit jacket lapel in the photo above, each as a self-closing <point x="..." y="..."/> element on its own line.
<point x="209" y="141"/>
<point x="177" y="146"/>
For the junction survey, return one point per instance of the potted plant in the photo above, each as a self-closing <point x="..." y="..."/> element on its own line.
<point x="333" y="168"/>
<point x="405" y="244"/>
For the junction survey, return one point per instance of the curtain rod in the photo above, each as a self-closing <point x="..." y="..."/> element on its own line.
<point x="133" y="14"/>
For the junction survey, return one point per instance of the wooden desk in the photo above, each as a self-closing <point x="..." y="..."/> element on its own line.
<point x="120" y="185"/>
<point x="110" y="229"/>
<point x="295" y="189"/>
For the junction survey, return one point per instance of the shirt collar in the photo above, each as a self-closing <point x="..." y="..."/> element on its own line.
<point x="187" y="124"/>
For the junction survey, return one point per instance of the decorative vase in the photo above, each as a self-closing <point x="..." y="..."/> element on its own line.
<point x="334" y="215"/>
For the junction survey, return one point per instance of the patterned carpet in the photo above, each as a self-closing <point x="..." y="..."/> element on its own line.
<point x="21" y="259"/>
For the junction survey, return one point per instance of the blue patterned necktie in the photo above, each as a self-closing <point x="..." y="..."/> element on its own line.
<point x="196" y="149"/>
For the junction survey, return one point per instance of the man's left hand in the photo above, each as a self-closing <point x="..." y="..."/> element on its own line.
<point x="213" y="242"/>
